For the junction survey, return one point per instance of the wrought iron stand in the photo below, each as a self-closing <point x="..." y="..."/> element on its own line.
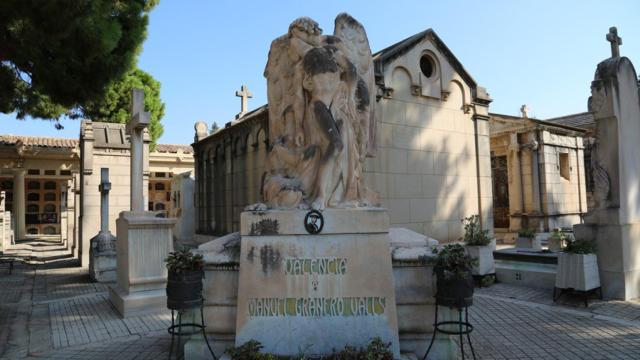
<point x="464" y="328"/>
<point x="176" y="329"/>
<point x="558" y="292"/>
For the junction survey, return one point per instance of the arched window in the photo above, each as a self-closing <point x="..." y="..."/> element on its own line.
<point x="33" y="208"/>
<point x="159" y="186"/>
<point x="33" y="185"/>
<point x="32" y="231"/>
<point x="49" y="230"/>
<point x="50" y="208"/>
<point x="50" y="185"/>
<point x="33" y="197"/>
<point x="50" y="196"/>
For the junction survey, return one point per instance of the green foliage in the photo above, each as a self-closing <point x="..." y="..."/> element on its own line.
<point x="454" y="260"/>
<point x="579" y="247"/>
<point x="527" y="233"/>
<point x="473" y="233"/>
<point x="375" y="350"/>
<point x="249" y="351"/>
<point x="57" y="55"/>
<point x="115" y="106"/>
<point x="184" y="260"/>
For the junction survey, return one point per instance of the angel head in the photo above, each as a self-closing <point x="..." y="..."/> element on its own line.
<point x="306" y="29"/>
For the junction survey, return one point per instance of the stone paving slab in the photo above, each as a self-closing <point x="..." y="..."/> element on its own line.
<point x="625" y="310"/>
<point x="57" y="313"/>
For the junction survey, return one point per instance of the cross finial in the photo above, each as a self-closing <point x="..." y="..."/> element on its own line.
<point x="139" y="117"/>
<point x="244" y="94"/>
<point x="524" y="109"/>
<point x="615" y="41"/>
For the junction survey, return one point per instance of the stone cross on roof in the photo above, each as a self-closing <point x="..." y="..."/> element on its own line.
<point x="615" y="41"/>
<point x="524" y="109"/>
<point x="244" y="94"/>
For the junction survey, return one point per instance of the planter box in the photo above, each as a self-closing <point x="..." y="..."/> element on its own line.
<point x="577" y="271"/>
<point x="484" y="254"/>
<point x="528" y="243"/>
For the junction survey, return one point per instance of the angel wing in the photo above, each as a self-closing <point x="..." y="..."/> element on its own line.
<point x="278" y="73"/>
<point x="355" y="45"/>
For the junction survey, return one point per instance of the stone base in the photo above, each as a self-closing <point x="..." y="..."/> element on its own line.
<point x="319" y="292"/>
<point x="618" y="247"/>
<point x="526" y="268"/>
<point x="144" y="242"/>
<point x="138" y="303"/>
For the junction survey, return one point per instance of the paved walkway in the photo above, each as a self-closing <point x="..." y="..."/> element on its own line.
<point x="53" y="311"/>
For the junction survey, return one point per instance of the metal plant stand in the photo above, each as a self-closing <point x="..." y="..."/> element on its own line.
<point x="177" y="329"/>
<point x="464" y="328"/>
<point x="558" y="292"/>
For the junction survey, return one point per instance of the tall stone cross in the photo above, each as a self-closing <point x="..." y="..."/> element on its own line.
<point x="104" y="188"/>
<point x="135" y="129"/>
<point x="615" y="41"/>
<point x="524" y="109"/>
<point x="244" y="94"/>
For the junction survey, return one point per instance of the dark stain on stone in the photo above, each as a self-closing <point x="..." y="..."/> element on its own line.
<point x="251" y="254"/>
<point x="362" y="95"/>
<point x="264" y="227"/>
<point x="319" y="61"/>
<point x="310" y="152"/>
<point x="269" y="258"/>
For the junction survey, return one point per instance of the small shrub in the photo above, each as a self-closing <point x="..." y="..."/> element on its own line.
<point x="184" y="260"/>
<point x="375" y="350"/>
<point x="527" y="233"/>
<point x="474" y="235"/>
<point x="579" y="247"/>
<point x="248" y="351"/>
<point x="454" y="260"/>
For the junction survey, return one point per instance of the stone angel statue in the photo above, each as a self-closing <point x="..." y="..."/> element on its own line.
<point x="321" y="97"/>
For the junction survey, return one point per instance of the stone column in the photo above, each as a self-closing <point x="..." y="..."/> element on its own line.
<point x="19" y="203"/>
<point x="516" y="205"/>
<point x="102" y="259"/>
<point x="3" y="225"/>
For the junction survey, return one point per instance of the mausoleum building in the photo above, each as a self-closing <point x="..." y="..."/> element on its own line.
<point x="538" y="174"/>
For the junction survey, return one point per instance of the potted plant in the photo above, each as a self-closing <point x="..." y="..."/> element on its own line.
<point x="578" y="266"/>
<point x="184" y="283"/>
<point x="527" y="239"/>
<point x="480" y="245"/>
<point x="454" y="280"/>
<point x="557" y="240"/>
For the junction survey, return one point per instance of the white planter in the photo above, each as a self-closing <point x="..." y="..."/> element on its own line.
<point x="577" y="271"/>
<point x="528" y="243"/>
<point x="484" y="254"/>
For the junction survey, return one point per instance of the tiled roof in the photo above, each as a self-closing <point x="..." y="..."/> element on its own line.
<point x="40" y="141"/>
<point x="172" y="148"/>
<point x="584" y="120"/>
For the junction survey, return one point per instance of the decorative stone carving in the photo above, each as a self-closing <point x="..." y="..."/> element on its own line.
<point x="321" y="126"/>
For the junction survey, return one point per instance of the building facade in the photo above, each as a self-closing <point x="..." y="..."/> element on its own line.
<point x="50" y="185"/>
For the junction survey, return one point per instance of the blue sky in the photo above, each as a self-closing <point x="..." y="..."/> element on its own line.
<point x="542" y="53"/>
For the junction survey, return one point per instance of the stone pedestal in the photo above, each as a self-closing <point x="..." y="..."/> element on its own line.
<point x="102" y="257"/>
<point x="319" y="292"/>
<point x="144" y="242"/>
